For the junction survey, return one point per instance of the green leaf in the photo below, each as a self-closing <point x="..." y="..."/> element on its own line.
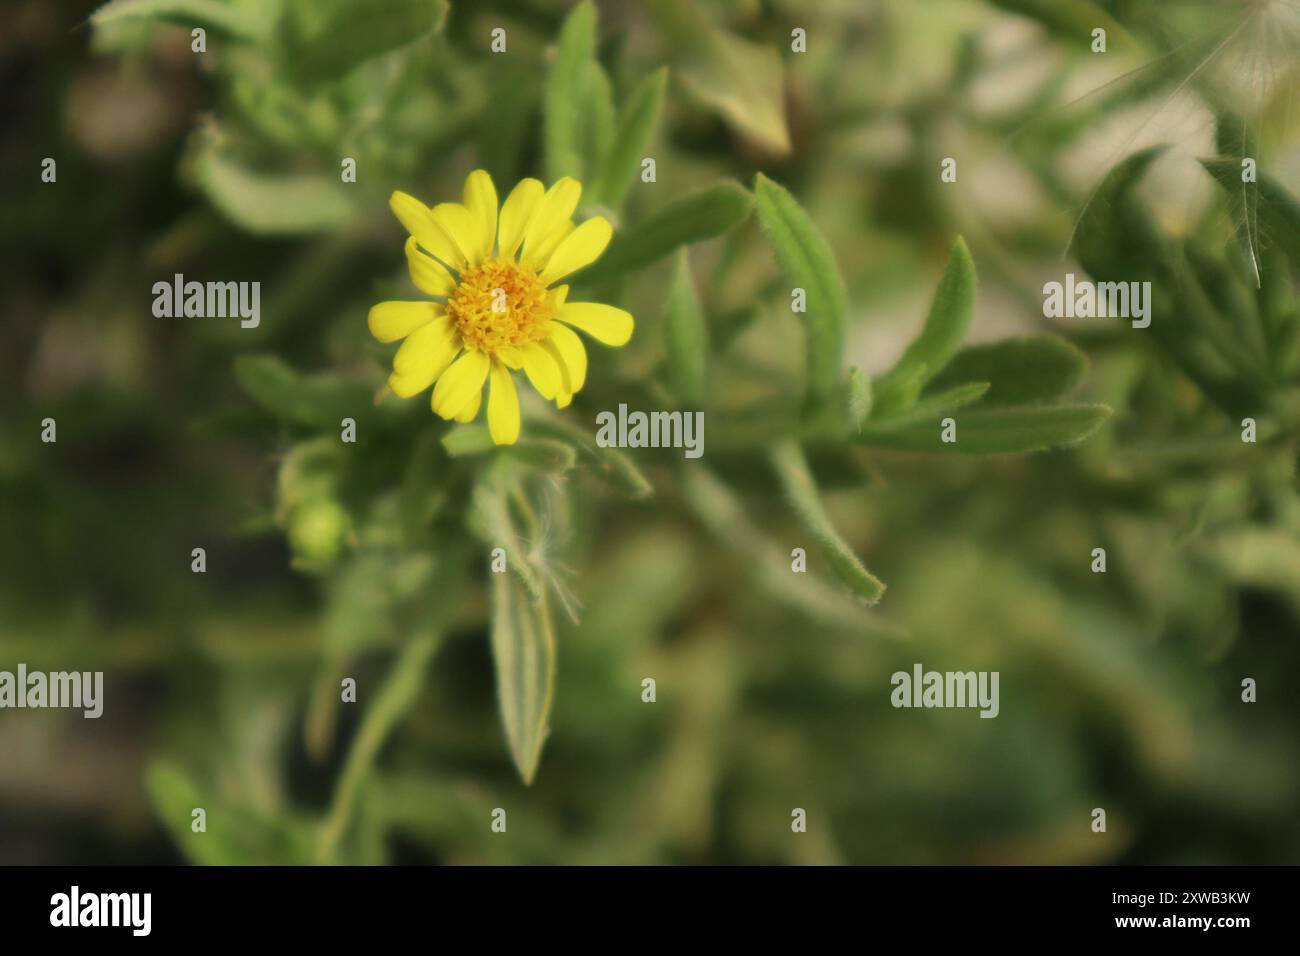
<point x="1275" y="211"/>
<point x="767" y="564"/>
<point x="995" y="430"/>
<point x="496" y="528"/>
<point x="234" y="836"/>
<point x="809" y="264"/>
<point x="1073" y="20"/>
<point x="1118" y="240"/>
<point x="399" y="693"/>
<point x="324" y="39"/>
<point x="273" y="203"/>
<point x="932" y="406"/>
<point x="547" y="455"/>
<point x="686" y="337"/>
<point x="945" y="327"/>
<point x="466" y="440"/>
<point x="612" y="464"/>
<point x="903" y="390"/>
<point x="636" y="123"/>
<point x="697" y="216"/>
<point x="1022" y="370"/>
<point x="567" y="110"/>
<point x="523" y="648"/>
<point x="742" y="81"/>
<point x="244" y="22"/>
<point x="320" y="400"/>
<point x="801" y="490"/>
<point x="598" y="137"/>
<point x="1104" y="238"/>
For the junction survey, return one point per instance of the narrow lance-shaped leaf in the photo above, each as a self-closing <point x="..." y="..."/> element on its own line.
<point x="687" y="336"/>
<point x="742" y="81"/>
<point x="549" y="455"/>
<point x="395" y="698"/>
<point x="692" y="218"/>
<point x="809" y="264"/>
<point x="796" y="478"/>
<point x="1234" y="137"/>
<point x="465" y="440"/>
<point x="722" y="511"/>
<point x="246" y="22"/>
<point x="612" y="464"/>
<point x="272" y="203"/>
<point x="933" y="405"/>
<point x="1102" y="240"/>
<point x="318" y="400"/>
<point x="497" y="529"/>
<point x="597" y="137"/>
<point x="324" y="39"/>
<point x="1020" y="370"/>
<point x="523" y="648"/>
<point x="1073" y="20"/>
<point x="636" y="123"/>
<point x="1275" y="212"/>
<point x="945" y="327"/>
<point x="567" y="111"/>
<point x="993" y="431"/>
<point x="235" y="836"/>
<point x="1118" y="240"/>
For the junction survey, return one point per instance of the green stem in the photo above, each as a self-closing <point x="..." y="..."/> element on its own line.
<point x="395" y="699"/>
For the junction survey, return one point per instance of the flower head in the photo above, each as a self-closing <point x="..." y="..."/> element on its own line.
<point x="497" y="308"/>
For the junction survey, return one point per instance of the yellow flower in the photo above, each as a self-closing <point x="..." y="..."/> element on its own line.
<point x="497" y="307"/>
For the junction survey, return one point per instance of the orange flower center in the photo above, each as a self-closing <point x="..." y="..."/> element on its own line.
<point x="497" y="304"/>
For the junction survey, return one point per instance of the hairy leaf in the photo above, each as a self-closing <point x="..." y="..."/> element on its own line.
<point x="1020" y="370"/>
<point x="801" y="490"/>
<point x="809" y="264"/>
<point x="695" y="217"/>
<point x="523" y="648"/>
<point x="994" y="431"/>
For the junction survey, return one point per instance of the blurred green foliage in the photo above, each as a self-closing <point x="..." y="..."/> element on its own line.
<point x="775" y="170"/>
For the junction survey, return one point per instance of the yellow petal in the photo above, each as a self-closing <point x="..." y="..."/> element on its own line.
<point x="565" y="345"/>
<point x="517" y="212"/>
<point x="470" y="411"/>
<point x="551" y="222"/>
<point x="541" y="370"/>
<point x="580" y="248"/>
<point x="503" y="406"/>
<point x="429" y="275"/>
<point x="481" y="201"/>
<point x="558" y="294"/>
<point x="542" y="250"/>
<point x="390" y="321"/>
<point x="436" y="344"/>
<point x="604" y="323"/>
<point x="565" y="394"/>
<point x="462" y="229"/>
<point x="511" y="356"/>
<point x="456" y="386"/>
<point x="414" y="379"/>
<point x="418" y="220"/>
